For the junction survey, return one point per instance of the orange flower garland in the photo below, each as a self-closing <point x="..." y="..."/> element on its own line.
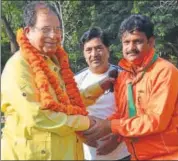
<point x="68" y="102"/>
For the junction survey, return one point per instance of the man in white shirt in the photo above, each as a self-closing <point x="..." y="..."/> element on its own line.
<point x="95" y="46"/>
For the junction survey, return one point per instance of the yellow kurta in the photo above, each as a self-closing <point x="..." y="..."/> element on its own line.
<point x="33" y="134"/>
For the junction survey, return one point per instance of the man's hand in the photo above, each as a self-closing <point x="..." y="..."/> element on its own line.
<point x="92" y="143"/>
<point x="98" y="129"/>
<point x="80" y="133"/>
<point x="107" y="144"/>
<point x="106" y="83"/>
<point x="92" y="121"/>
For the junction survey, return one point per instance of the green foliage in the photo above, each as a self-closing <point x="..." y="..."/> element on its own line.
<point x="165" y="18"/>
<point x="79" y="16"/>
<point x="5" y="54"/>
<point x="12" y="10"/>
<point x="4" y="38"/>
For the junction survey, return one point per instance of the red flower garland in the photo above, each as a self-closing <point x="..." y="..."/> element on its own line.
<point x="69" y="101"/>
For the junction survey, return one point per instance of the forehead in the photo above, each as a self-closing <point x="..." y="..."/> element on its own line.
<point x="133" y="35"/>
<point x="46" y="17"/>
<point x="93" y="42"/>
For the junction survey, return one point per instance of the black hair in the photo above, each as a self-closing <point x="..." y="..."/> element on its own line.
<point x="137" y="22"/>
<point x="30" y="10"/>
<point x="94" y="32"/>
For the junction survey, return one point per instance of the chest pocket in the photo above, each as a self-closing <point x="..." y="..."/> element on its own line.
<point x="29" y="92"/>
<point x="38" y="147"/>
<point x="27" y="87"/>
<point x="35" y="148"/>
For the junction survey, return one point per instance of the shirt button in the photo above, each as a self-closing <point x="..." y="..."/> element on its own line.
<point x="24" y="94"/>
<point x="43" y="152"/>
<point x="45" y="57"/>
<point x="55" y="69"/>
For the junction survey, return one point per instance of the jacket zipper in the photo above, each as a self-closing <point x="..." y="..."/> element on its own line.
<point x="134" y="150"/>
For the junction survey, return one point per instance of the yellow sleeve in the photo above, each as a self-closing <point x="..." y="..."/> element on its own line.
<point x="91" y="94"/>
<point x="18" y="93"/>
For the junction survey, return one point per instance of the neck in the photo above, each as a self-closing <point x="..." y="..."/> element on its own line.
<point x="100" y="70"/>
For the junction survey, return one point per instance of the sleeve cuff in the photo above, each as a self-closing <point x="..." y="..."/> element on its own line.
<point x="91" y="94"/>
<point x="94" y="91"/>
<point x="78" y="122"/>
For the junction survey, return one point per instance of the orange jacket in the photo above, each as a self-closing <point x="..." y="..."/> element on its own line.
<point x="153" y="132"/>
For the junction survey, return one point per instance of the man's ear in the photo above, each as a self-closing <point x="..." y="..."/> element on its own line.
<point x="27" y="31"/>
<point x="151" y="42"/>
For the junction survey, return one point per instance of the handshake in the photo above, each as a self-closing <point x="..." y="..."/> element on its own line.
<point x="98" y="128"/>
<point x="99" y="135"/>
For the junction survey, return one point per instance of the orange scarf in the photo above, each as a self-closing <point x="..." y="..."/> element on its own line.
<point x="137" y="69"/>
<point x="68" y="101"/>
<point x="139" y="65"/>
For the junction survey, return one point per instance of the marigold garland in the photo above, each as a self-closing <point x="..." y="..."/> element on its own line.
<point x="69" y="101"/>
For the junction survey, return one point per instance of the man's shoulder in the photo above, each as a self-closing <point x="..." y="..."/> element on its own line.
<point x="13" y="60"/>
<point x="16" y="63"/>
<point x="162" y="64"/>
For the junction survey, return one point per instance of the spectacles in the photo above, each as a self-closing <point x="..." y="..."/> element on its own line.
<point x="47" y="30"/>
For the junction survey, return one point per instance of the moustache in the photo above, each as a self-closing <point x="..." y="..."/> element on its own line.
<point x="96" y="59"/>
<point x="133" y="52"/>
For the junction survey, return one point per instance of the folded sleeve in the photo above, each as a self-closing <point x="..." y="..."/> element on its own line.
<point x="91" y="94"/>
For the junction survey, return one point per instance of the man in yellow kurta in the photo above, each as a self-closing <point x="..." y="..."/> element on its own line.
<point x="40" y="100"/>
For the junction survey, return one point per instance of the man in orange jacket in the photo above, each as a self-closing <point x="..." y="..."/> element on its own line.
<point x="146" y="94"/>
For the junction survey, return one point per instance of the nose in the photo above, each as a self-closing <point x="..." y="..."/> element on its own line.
<point x="52" y="34"/>
<point x="132" y="46"/>
<point x="94" y="52"/>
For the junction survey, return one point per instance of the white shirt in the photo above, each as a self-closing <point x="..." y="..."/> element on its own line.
<point x="104" y="107"/>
